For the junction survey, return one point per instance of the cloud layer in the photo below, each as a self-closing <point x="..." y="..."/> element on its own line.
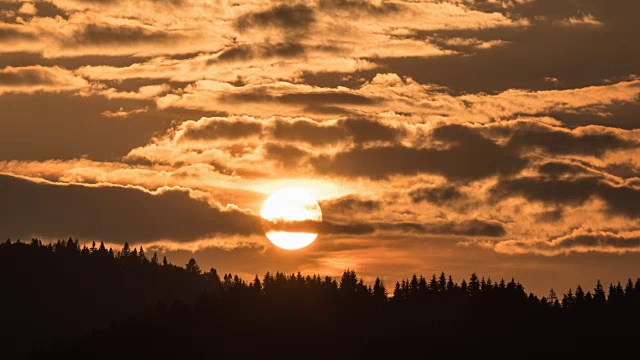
<point x="455" y="135"/>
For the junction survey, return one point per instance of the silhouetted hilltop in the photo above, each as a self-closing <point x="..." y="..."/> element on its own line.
<point x="69" y="301"/>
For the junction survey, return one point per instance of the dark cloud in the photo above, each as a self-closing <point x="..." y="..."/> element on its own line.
<point x="264" y="51"/>
<point x="215" y="129"/>
<point x="439" y="195"/>
<point x="33" y="76"/>
<point x="49" y="9"/>
<point x="525" y="136"/>
<point x="286" y="17"/>
<point x="114" y="214"/>
<point x="286" y="155"/>
<point x="598" y="240"/>
<point x="9" y="13"/>
<point x="350" y="205"/>
<point x="360" y="6"/>
<point x="64" y="126"/>
<point x="464" y="228"/>
<point x="332" y="228"/>
<point x="624" y="170"/>
<point x="548" y="47"/>
<point x="308" y="131"/>
<point x="556" y="169"/>
<point x="320" y="227"/>
<point x="550" y="216"/>
<point x="620" y="200"/>
<point x="334" y="97"/>
<point x="577" y="242"/>
<point x="107" y="34"/>
<point x="20" y="59"/>
<point x="364" y="130"/>
<point x="567" y="143"/>
<point x="161" y="2"/>
<point x="317" y="102"/>
<point x="10" y="34"/>
<point x="285" y="49"/>
<point x="357" y="130"/>
<point x="468" y="156"/>
<point x="623" y="115"/>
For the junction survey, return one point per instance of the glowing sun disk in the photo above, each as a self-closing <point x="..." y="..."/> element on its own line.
<point x="292" y="204"/>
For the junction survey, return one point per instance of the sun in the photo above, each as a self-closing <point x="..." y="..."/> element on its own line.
<point x="291" y="216"/>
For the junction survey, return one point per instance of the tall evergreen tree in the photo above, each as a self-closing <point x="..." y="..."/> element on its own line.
<point x="192" y="266"/>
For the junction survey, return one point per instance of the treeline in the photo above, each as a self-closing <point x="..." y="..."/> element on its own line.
<point x="61" y="298"/>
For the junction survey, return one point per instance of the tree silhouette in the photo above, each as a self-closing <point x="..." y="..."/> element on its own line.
<point x="113" y="299"/>
<point x="192" y="267"/>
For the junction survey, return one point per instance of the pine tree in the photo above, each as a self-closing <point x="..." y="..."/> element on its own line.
<point x="580" y="297"/>
<point x="256" y="286"/>
<point x="164" y="261"/>
<point x="214" y="279"/>
<point x="442" y="282"/>
<point x="628" y="290"/>
<point x="423" y="288"/>
<point x="568" y="300"/>
<point x="154" y="259"/>
<point x="599" y="297"/>
<point x="413" y="286"/>
<point x="433" y="283"/>
<point x="450" y="284"/>
<point x="397" y="292"/>
<point x="192" y="266"/>
<point x="141" y="256"/>
<point x="102" y="250"/>
<point x="552" y="298"/>
<point x="125" y="250"/>
<point x="379" y="292"/>
<point x="474" y="285"/>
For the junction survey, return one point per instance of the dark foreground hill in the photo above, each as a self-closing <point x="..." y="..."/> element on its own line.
<point x="60" y="300"/>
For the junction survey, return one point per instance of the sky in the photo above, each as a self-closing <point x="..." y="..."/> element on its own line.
<point x="500" y="137"/>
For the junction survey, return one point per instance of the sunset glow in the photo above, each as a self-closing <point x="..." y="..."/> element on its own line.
<point x="449" y="135"/>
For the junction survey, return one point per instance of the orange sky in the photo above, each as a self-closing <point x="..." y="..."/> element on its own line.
<point x="500" y="137"/>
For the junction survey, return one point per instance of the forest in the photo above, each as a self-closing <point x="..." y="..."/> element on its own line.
<point x="61" y="299"/>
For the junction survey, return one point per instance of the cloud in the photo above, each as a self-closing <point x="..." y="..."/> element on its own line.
<point x="469" y="156"/>
<point x="563" y="142"/>
<point x="356" y="130"/>
<point x="36" y="78"/>
<point x="309" y="99"/>
<point x="439" y="195"/>
<point x="360" y="7"/>
<point x="299" y="16"/>
<point x="114" y="213"/>
<point x="67" y="126"/>
<point x="620" y="200"/>
<point x="351" y="205"/>
<point x="108" y="34"/>
<point x="556" y="169"/>
<point x="586" y="27"/>
<point x="578" y="241"/>
<point x="263" y="51"/>
<point x="11" y="33"/>
<point x="472" y="227"/>
<point x="216" y="128"/>
<point x="289" y="156"/>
